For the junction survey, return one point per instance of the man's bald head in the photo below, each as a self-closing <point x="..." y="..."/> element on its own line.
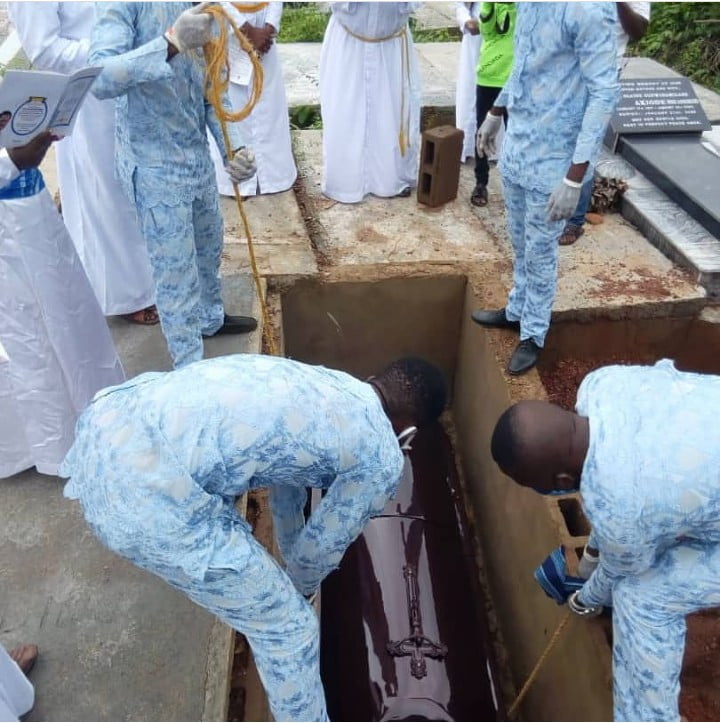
<point x="541" y="445"/>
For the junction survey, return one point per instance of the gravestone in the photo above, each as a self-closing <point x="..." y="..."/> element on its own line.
<point x="657" y="127"/>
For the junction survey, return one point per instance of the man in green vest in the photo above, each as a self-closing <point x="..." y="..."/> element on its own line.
<point x="497" y="27"/>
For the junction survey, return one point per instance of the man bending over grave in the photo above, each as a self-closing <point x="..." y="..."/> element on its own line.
<point x="643" y="450"/>
<point x="160" y="460"/>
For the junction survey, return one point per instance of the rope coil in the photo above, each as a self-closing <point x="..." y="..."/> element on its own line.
<point x="216" y="85"/>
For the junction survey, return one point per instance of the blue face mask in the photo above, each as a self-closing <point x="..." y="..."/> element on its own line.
<point x="556" y="493"/>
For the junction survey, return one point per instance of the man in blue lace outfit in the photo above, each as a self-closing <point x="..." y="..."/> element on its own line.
<point x="560" y="95"/>
<point x="644" y="450"/>
<point x="159" y="462"/>
<point x="151" y="55"/>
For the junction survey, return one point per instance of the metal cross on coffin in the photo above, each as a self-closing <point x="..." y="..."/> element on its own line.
<point x="417" y="646"/>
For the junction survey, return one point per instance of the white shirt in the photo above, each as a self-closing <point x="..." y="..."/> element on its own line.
<point x="8" y="171"/>
<point x="622" y="37"/>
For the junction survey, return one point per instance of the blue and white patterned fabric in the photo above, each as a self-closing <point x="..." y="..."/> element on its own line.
<point x="562" y="90"/>
<point x="560" y="94"/>
<point x="27" y="183"/>
<point x="163" y="162"/>
<point x="184" y="242"/>
<point x="535" y="248"/>
<point x="159" y="461"/>
<point x="651" y="490"/>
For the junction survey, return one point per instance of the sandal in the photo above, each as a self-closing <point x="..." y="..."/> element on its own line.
<point x="479" y="196"/>
<point x="144" y="317"/>
<point x="571" y="234"/>
<point x="405" y="193"/>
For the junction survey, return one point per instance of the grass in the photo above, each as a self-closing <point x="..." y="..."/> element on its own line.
<point x="302" y="23"/>
<point x="306" y="23"/>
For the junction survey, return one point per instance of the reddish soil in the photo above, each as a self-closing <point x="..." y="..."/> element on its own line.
<point x="562" y="379"/>
<point x="700" y="681"/>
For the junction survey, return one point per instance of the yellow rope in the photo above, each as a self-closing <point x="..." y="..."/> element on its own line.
<point x="538" y="666"/>
<point x="218" y="78"/>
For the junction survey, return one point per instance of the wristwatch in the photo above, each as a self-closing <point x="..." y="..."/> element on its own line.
<point x="578" y="608"/>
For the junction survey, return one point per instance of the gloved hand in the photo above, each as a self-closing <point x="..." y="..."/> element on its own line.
<point x="193" y="29"/>
<point x="563" y="200"/>
<point x="242" y="166"/>
<point x="486" y="138"/>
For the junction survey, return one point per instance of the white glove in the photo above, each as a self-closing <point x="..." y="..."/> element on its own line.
<point x="242" y="166"/>
<point x="486" y="138"/>
<point x="588" y="564"/>
<point x="563" y="200"/>
<point x="193" y="29"/>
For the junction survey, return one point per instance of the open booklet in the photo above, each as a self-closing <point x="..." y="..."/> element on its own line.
<point x="33" y="101"/>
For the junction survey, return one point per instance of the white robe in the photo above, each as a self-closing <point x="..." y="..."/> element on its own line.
<point x="267" y="129"/>
<point x="98" y="215"/>
<point x="465" y="92"/>
<point x="17" y="695"/>
<point x="56" y="344"/>
<point x="367" y="95"/>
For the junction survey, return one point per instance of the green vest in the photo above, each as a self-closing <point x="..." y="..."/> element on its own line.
<point x="497" y="27"/>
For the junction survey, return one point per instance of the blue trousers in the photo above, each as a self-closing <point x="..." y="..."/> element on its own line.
<point x="583" y="202"/>
<point x="535" y="245"/>
<point x="649" y="629"/>
<point x="184" y="240"/>
<point x="254" y="595"/>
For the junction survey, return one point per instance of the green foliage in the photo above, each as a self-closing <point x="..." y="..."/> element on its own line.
<point x="302" y="23"/>
<point x="433" y="35"/>
<point x="685" y="36"/>
<point x="303" y="117"/>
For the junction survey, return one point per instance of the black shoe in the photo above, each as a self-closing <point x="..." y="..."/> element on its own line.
<point x="479" y="196"/>
<point x="235" y="325"/>
<point x="524" y="357"/>
<point x="495" y="318"/>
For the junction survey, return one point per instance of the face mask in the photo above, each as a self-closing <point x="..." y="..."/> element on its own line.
<point x="556" y="493"/>
<point x="406" y="437"/>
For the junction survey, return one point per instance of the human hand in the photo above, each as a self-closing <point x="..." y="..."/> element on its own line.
<point x="242" y="166"/>
<point x="193" y="29"/>
<point x="472" y="26"/>
<point x="563" y="200"/>
<point x="31" y="154"/>
<point x="579" y="608"/>
<point x="486" y="138"/>
<point x="260" y="38"/>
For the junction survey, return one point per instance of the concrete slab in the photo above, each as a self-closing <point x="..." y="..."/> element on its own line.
<point x="282" y="245"/>
<point x="613" y="271"/>
<point x="436" y="16"/>
<point x="672" y="230"/>
<point x="648" y="68"/>
<point x="115" y="642"/>
<point x="438" y="70"/>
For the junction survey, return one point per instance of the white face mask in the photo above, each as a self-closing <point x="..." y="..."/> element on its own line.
<point x="406" y="437"/>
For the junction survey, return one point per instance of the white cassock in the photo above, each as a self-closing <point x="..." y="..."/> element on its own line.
<point x="57" y="349"/>
<point x="370" y="101"/>
<point x="17" y="695"/>
<point x="267" y="129"/>
<point x="467" y="78"/>
<point x="101" y="221"/>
